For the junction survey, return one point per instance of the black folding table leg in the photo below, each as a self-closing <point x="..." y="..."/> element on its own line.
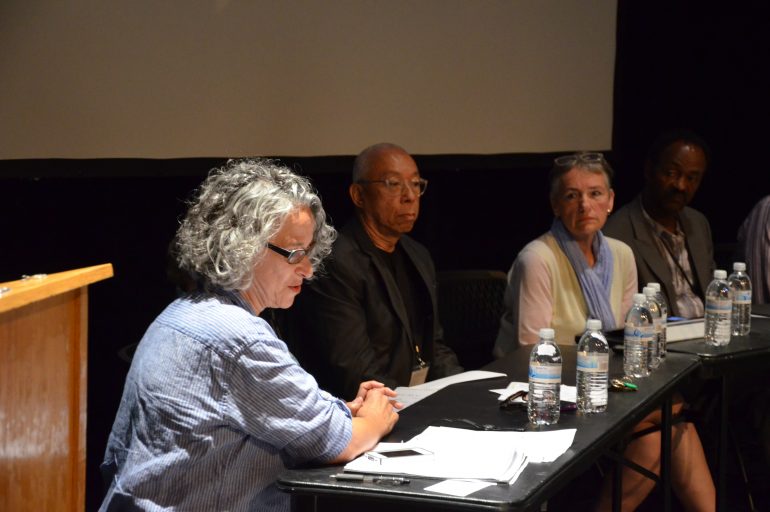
<point x="617" y="481"/>
<point x="722" y="450"/>
<point x="665" y="453"/>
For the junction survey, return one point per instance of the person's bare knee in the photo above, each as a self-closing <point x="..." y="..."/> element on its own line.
<point x="644" y="451"/>
<point x="691" y="477"/>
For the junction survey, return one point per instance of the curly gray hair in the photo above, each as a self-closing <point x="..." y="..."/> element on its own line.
<point x="237" y="210"/>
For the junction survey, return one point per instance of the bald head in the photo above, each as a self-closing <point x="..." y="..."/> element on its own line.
<point x="370" y="156"/>
<point x="386" y="192"/>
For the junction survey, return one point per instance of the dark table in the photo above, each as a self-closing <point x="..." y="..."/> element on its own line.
<point x="596" y="435"/>
<point x="743" y="355"/>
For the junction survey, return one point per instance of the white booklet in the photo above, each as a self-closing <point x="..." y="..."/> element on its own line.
<point x="497" y="456"/>
<point x="680" y="330"/>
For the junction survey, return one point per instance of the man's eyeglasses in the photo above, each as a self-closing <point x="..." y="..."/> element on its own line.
<point x="582" y="158"/>
<point x="397" y="187"/>
<point x="294" y="256"/>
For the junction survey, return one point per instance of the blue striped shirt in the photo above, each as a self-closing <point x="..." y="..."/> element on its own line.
<point x="213" y="408"/>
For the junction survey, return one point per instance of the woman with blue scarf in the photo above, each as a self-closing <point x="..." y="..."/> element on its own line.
<point x="572" y="273"/>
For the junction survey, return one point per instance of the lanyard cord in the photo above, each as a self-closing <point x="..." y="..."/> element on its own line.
<point x="420" y="362"/>
<point x="676" y="262"/>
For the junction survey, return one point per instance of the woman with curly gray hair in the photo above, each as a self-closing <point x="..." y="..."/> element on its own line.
<point x="214" y="405"/>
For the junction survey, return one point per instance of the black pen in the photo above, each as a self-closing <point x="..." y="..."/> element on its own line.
<point x="370" y="479"/>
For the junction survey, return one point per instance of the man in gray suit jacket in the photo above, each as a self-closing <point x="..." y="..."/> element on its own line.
<point x="671" y="242"/>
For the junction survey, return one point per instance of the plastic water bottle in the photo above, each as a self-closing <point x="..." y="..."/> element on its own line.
<point x="741" y="286"/>
<point x="719" y="310"/>
<point x="544" y="398"/>
<point x="637" y="336"/>
<point x="663" y="319"/>
<point x="593" y="361"/>
<point x="652" y="305"/>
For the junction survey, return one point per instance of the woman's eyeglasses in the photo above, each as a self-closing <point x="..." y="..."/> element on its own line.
<point x="294" y="256"/>
<point x="579" y="158"/>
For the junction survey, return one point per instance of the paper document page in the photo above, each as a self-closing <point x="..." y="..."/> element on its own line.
<point x="567" y="393"/>
<point x="454" y="453"/>
<point x="546" y="446"/>
<point x="469" y="454"/>
<point x="411" y="395"/>
<point x="459" y="487"/>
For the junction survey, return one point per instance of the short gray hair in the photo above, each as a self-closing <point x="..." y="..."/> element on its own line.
<point x="236" y="211"/>
<point x="596" y="165"/>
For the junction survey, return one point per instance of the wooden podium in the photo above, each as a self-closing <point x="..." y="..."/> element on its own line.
<point x="43" y="379"/>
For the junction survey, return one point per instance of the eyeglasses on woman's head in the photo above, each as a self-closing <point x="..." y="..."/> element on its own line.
<point x="579" y="158"/>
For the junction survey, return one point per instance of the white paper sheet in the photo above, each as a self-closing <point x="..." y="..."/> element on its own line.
<point x="546" y="446"/>
<point x="567" y="393"/>
<point x="497" y="456"/>
<point x="455" y="453"/>
<point x="411" y="395"/>
<point x="459" y="487"/>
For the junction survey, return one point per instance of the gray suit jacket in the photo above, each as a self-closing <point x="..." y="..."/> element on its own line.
<point x="628" y="224"/>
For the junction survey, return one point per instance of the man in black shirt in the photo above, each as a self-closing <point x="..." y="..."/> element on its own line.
<point x="372" y="314"/>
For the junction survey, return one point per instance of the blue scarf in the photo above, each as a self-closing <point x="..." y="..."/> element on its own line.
<point x="595" y="282"/>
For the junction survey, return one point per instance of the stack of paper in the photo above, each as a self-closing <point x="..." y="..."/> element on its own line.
<point x="459" y="453"/>
<point x="546" y="446"/>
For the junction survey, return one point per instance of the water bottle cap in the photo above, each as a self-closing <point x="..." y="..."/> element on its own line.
<point x="547" y="333"/>
<point x="739" y="266"/>
<point x="594" y="324"/>
<point x="639" y="298"/>
<point x="720" y="274"/>
<point x="656" y="286"/>
<point x="649" y="291"/>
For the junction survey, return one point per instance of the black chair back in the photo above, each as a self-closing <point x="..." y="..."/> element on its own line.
<point x="470" y="304"/>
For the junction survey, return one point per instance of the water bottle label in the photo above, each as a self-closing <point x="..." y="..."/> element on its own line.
<point x="545" y="373"/>
<point x="743" y="297"/>
<point x="719" y="306"/>
<point x="638" y="333"/>
<point x="593" y="363"/>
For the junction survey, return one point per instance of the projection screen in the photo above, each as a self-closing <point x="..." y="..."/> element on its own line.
<point x="195" y="78"/>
